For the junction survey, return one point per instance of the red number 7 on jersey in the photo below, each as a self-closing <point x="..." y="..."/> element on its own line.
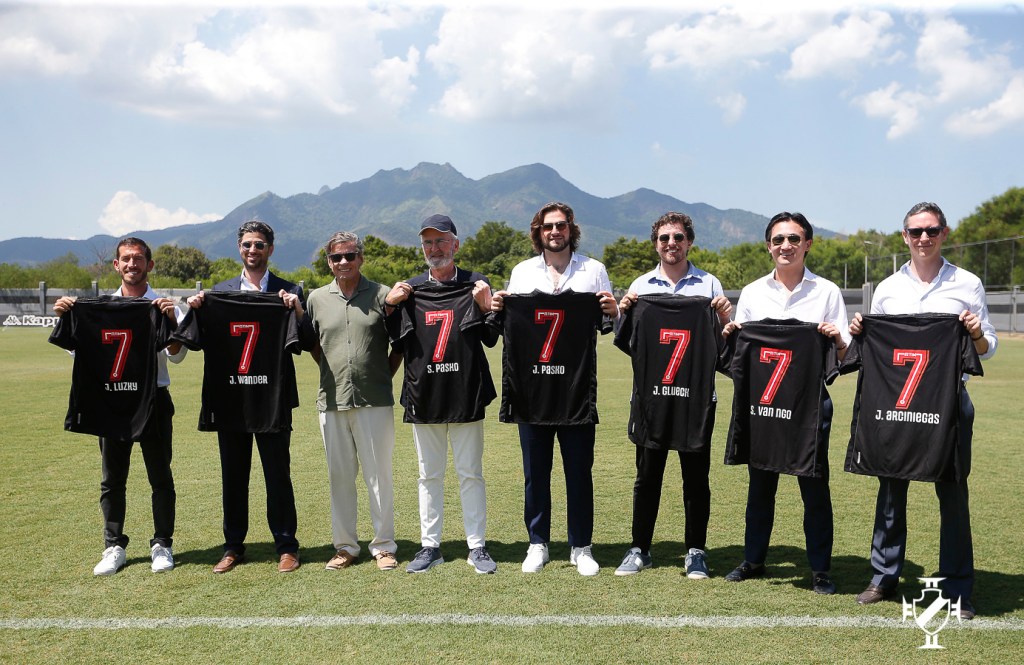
<point x="445" y="318"/>
<point x="555" y="316"/>
<point x="123" y="339"/>
<point x="682" y="340"/>
<point x="919" y="358"/>
<point x="251" y="330"/>
<point x="784" y="357"/>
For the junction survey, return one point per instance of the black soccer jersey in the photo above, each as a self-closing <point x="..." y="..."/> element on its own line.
<point x="674" y="342"/>
<point x="549" y="358"/>
<point x="779" y="371"/>
<point x="907" y="409"/>
<point x="248" y="376"/>
<point x="113" y="381"/>
<point x="447" y="378"/>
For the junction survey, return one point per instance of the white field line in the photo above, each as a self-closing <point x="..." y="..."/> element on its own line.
<point x="510" y="621"/>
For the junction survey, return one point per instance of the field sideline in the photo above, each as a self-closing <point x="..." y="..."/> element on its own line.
<point x="52" y="607"/>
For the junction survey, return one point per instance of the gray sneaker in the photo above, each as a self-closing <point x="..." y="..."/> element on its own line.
<point x="634" y="562"/>
<point x="425" y="559"/>
<point x="696" y="564"/>
<point x="481" y="561"/>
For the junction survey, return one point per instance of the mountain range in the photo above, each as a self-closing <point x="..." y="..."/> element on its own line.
<point x="391" y="204"/>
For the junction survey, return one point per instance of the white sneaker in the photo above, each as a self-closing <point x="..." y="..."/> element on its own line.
<point x="584" y="561"/>
<point x="163" y="558"/>
<point x="113" y="560"/>
<point x="536" y="557"/>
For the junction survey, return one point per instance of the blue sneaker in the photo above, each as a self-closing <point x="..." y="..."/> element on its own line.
<point x="696" y="564"/>
<point x="634" y="562"/>
<point x="425" y="559"/>
<point x="481" y="561"/>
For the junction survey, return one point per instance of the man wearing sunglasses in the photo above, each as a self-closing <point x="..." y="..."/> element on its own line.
<point x="928" y="283"/>
<point x="447" y="385"/>
<point x="559" y="268"/>
<point x="672" y="235"/>
<point x="791" y="291"/>
<point x="355" y="402"/>
<point x="255" y="247"/>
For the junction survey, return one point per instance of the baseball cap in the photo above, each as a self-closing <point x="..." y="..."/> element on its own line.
<point x="442" y="223"/>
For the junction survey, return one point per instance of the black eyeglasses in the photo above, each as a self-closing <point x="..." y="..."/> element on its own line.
<point x="348" y="256"/>
<point x="793" y="239"/>
<point x="932" y="231"/>
<point x="678" y="237"/>
<point x="258" y="244"/>
<point x="550" y="226"/>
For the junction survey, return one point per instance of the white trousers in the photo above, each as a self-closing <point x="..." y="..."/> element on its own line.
<point x="467" y="452"/>
<point x="362" y="436"/>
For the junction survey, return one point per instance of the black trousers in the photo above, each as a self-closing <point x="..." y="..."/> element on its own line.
<point x="235" y="466"/>
<point x="650" y="472"/>
<point x="115" y="457"/>
<point x="576" y="443"/>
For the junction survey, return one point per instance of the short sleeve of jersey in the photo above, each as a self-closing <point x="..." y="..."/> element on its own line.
<point x="248" y="375"/>
<point x="779" y="370"/>
<point x="907" y="406"/>
<point x="674" y="345"/>
<point x="447" y="377"/>
<point x="549" y="358"/>
<point x="113" y="381"/>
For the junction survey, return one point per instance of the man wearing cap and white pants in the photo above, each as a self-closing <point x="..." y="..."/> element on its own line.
<point x="459" y="419"/>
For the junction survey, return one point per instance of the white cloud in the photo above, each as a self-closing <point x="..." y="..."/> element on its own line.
<point x="518" y="64"/>
<point x="126" y="213"/>
<point x="733" y="105"/>
<point x="1004" y="112"/>
<point x="945" y="52"/>
<point x="840" y="49"/>
<point x="729" y="38"/>
<point x="901" y="107"/>
<point x="197" y="62"/>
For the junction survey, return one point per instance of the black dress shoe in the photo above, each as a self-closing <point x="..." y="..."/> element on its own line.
<point x="874" y="594"/>
<point x="745" y="571"/>
<point x="823" y="584"/>
<point x="966" y="611"/>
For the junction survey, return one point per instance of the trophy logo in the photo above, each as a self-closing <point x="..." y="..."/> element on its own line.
<point x="931" y="612"/>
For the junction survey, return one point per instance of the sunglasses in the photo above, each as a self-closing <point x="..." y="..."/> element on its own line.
<point x="932" y="231"/>
<point x="550" y="226"/>
<point x="348" y="256"/>
<point x="678" y="237"/>
<point x="793" y="239"/>
<point x="258" y="244"/>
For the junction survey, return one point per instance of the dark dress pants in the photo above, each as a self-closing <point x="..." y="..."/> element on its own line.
<point x="115" y="457"/>
<point x="235" y="465"/>
<point x="817" y="499"/>
<point x="650" y="471"/>
<point x="576" y="443"/>
<point x="956" y="548"/>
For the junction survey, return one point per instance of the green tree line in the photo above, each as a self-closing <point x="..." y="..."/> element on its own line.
<point x="497" y="248"/>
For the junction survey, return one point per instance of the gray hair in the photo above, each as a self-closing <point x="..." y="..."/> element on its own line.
<point x="344" y="237"/>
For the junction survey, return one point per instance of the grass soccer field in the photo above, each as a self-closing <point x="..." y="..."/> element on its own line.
<point x="52" y="609"/>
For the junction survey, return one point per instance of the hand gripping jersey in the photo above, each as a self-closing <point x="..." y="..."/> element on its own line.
<point x="113" y="382"/>
<point x="549" y="359"/>
<point x="907" y="409"/>
<point x="248" y="377"/>
<point x="779" y="371"/>
<point x="675" y="342"/>
<point x="447" y="378"/>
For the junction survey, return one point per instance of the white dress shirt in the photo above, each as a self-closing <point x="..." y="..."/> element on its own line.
<point x="582" y="275"/>
<point x="951" y="292"/>
<point x="814" y="300"/>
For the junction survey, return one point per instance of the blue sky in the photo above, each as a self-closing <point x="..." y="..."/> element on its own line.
<point x="122" y="116"/>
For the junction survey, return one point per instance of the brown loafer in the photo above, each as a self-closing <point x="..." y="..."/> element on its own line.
<point x="288" y="562"/>
<point x="340" y="560"/>
<point x="873" y="594"/>
<point x="228" y="562"/>
<point x="385" y="560"/>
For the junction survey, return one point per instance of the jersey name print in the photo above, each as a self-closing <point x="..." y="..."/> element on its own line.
<point x="907" y="408"/>
<point x="248" y="377"/>
<point x="549" y="359"/>
<point x="779" y="371"/>
<point x="675" y="343"/>
<point x="113" y="381"/>
<point x="447" y="378"/>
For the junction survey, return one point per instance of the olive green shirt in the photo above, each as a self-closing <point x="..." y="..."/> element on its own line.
<point x="354" y="369"/>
